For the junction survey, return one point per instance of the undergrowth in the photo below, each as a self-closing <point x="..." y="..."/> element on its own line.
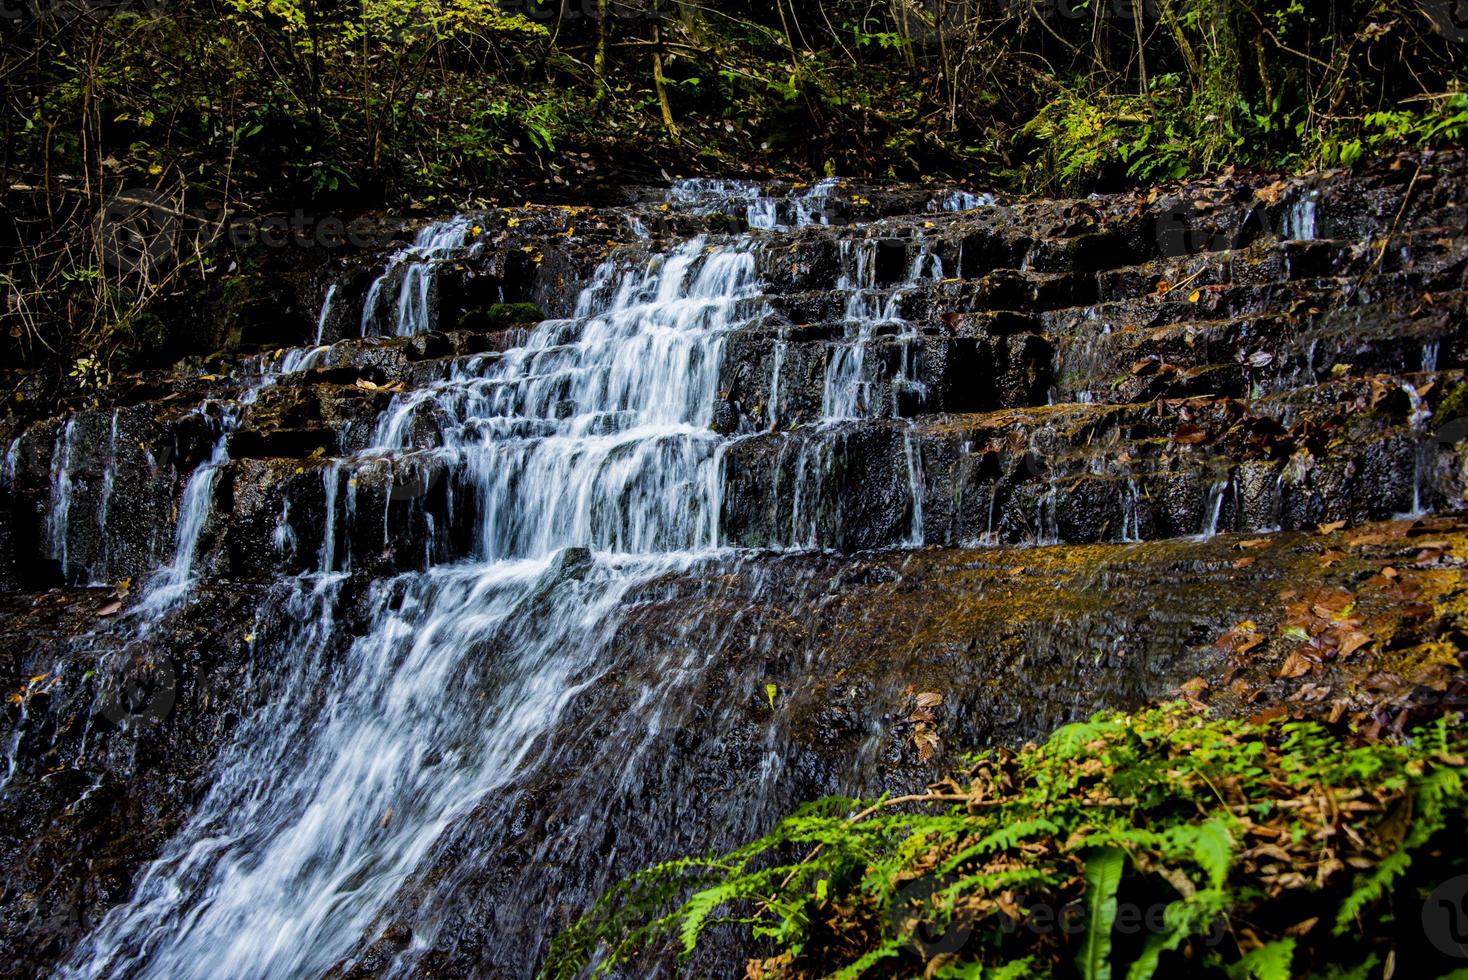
<point x="1128" y="846"/>
<point x="145" y="142"/>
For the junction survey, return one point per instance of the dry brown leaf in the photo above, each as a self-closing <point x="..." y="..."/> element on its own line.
<point x="1351" y="641"/>
<point x="1300" y="928"/>
<point x="1189" y="434"/>
<point x="1296" y="665"/>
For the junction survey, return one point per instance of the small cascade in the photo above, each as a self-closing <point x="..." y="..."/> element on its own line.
<point x="777" y="366"/>
<point x="799" y="209"/>
<point x="1213" y="507"/>
<point x="810" y="207"/>
<point x="1299" y="221"/>
<point x="845" y="395"/>
<point x="1047" y="520"/>
<point x="109" y="481"/>
<point x="1131" y="514"/>
<point x="84" y="470"/>
<point x="915" y="488"/>
<point x="870" y="311"/>
<point x="172" y="583"/>
<point x="1423" y="452"/>
<point x="956" y="199"/>
<point x="325" y="313"/>
<point x="412" y="271"/>
<point x="63" y="485"/>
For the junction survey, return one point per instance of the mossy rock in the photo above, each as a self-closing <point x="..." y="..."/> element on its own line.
<point x="500" y="316"/>
<point x="1454" y="407"/>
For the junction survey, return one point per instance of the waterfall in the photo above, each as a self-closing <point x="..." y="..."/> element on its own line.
<point x="1299" y="223"/>
<point x="800" y="208"/>
<point x="1422" y="449"/>
<point x="594" y="435"/>
<point x="1213" y="507"/>
<point x="325" y="312"/>
<point x="62" y="484"/>
<point x="413" y="271"/>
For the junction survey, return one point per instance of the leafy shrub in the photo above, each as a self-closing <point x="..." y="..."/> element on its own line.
<point x="1262" y="850"/>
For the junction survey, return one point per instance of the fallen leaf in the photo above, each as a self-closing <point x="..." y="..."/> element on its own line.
<point x="1300" y="928"/>
<point x="926" y="740"/>
<point x="1351" y="641"/>
<point x="1189" y="434"/>
<point x="1296" y="665"/>
<point x="1276" y="713"/>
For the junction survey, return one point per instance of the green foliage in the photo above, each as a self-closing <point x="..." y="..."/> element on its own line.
<point x="1103" y="878"/>
<point x="254" y="107"/>
<point x="1167" y="803"/>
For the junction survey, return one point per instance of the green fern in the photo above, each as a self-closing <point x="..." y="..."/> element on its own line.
<point x="1166" y="798"/>
<point x="1103" y="878"/>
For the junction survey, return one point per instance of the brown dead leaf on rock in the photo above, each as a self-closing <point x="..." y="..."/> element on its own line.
<point x="1297" y="664"/>
<point x="1189" y="434"/>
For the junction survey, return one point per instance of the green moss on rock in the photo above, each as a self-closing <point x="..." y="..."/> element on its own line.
<point x="501" y="316"/>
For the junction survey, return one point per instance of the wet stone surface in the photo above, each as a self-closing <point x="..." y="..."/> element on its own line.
<point x="434" y="628"/>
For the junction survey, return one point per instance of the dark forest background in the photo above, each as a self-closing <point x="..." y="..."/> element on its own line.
<point x="213" y="115"/>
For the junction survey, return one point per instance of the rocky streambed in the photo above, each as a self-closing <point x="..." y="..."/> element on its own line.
<point x="385" y="653"/>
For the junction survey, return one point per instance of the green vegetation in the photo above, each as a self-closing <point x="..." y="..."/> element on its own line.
<point x="1125" y="846"/>
<point x="501" y="315"/>
<point x="218" y="114"/>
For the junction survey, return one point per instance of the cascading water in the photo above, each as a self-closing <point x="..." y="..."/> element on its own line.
<point x="595" y="435"/>
<point x="413" y="271"/>
<point x="431" y="771"/>
<point x="63" y="476"/>
<point x="325" y="312"/>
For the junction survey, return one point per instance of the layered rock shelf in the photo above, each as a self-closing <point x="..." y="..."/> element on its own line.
<point x="1040" y="456"/>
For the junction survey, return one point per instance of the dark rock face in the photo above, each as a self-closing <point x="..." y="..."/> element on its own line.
<point x="1055" y="415"/>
